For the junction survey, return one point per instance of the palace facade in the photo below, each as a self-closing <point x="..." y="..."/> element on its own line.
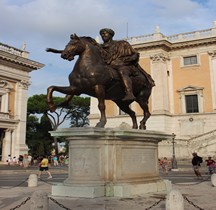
<point x="183" y="101"/>
<point x="14" y="81"/>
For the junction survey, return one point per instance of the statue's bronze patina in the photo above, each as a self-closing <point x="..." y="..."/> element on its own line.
<point x="107" y="71"/>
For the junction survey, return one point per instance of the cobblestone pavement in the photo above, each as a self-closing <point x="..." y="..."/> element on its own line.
<point x="199" y="194"/>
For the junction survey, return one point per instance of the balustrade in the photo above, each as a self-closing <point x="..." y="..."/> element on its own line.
<point x="173" y="38"/>
<point x="4" y="116"/>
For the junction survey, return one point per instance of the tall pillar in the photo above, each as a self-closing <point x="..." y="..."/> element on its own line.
<point x="213" y="77"/>
<point x="160" y="93"/>
<point x="21" y="114"/>
<point x="8" y="147"/>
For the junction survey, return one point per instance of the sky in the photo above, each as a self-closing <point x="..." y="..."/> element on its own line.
<point x="49" y="23"/>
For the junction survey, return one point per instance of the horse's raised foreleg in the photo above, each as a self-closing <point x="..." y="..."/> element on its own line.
<point x="100" y="94"/>
<point x="65" y="90"/>
<point x="124" y="106"/>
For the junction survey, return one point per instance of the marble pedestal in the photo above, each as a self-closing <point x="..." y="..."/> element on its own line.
<point x="111" y="162"/>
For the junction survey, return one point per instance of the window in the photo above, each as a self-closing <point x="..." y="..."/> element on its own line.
<point x="191" y="102"/>
<point x="191" y="99"/>
<point x="190" y="60"/>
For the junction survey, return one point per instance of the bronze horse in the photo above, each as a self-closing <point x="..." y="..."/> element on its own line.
<point x="93" y="77"/>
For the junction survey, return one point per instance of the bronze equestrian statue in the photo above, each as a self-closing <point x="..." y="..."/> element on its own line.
<point x="107" y="71"/>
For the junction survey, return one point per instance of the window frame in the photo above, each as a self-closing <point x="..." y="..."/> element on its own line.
<point x="191" y="90"/>
<point x="189" y="64"/>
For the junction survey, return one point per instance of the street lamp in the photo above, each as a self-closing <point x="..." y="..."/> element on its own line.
<point x="174" y="161"/>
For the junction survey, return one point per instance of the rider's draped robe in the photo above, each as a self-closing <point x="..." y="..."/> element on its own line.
<point x="121" y="53"/>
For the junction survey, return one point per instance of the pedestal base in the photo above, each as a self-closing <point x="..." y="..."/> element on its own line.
<point x="78" y="191"/>
<point x="111" y="162"/>
<point x="124" y="190"/>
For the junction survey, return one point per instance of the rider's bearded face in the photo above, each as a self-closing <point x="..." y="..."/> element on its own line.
<point x="106" y="37"/>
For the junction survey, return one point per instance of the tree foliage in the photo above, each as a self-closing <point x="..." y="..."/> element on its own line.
<point x="79" y="111"/>
<point x="37" y="137"/>
<point x="38" y="129"/>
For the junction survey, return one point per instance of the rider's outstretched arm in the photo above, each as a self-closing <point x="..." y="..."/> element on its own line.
<point x="53" y="50"/>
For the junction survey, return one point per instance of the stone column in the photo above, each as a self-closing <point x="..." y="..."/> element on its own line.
<point x="213" y="76"/>
<point x="21" y="113"/>
<point x="160" y="93"/>
<point x="8" y="148"/>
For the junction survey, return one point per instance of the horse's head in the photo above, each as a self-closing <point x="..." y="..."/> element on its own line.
<point x="74" y="47"/>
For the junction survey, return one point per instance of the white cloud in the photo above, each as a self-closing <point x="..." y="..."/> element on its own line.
<point x="49" y="23"/>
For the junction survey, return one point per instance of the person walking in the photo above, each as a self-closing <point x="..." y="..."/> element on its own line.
<point x="25" y="161"/>
<point x="43" y="166"/>
<point x="55" y="160"/>
<point x="196" y="161"/>
<point x="9" y="160"/>
<point x="210" y="164"/>
<point x="165" y="165"/>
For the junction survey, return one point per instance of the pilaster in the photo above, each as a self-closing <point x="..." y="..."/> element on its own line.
<point x="212" y="59"/>
<point x="160" y="93"/>
<point x="21" y="114"/>
<point x="8" y="147"/>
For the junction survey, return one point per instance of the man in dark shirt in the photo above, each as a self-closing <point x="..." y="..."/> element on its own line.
<point x="196" y="164"/>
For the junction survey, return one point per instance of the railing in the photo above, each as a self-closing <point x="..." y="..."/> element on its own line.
<point x="13" y="50"/>
<point x="4" y="116"/>
<point x="190" y="35"/>
<point x="10" y="49"/>
<point x="173" y="38"/>
<point x="200" y="139"/>
<point x="140" y="39"/>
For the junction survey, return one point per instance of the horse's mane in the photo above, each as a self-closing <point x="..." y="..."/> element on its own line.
<point x="91" y="40"/>
<point x="96" y="44"/>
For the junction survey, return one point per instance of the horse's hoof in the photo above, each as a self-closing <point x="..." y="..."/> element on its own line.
<point x="100" y="125"/>
<point x="142" y="127"/>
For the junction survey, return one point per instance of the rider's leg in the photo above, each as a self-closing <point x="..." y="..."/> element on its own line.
<point x="127" y="83"/>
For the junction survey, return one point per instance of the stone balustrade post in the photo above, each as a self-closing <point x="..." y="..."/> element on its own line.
<point x="32" y="180"/>
<point x="213" y="179"/>
<point x="39" y="201"/>
<point x="174" y="200"/>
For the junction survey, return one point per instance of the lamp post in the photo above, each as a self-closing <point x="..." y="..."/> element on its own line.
<point x="174" y="161"/>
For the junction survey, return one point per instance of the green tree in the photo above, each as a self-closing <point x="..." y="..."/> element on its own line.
<point x="79" y="111"/>
<point x="76" y="112"/>
<point x="37" y="105"/>
<point x="37" y="136"/>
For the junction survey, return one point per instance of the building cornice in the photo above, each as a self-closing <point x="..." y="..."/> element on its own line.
<point x="20" y="61"/>
<point x="19" y="58"/>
